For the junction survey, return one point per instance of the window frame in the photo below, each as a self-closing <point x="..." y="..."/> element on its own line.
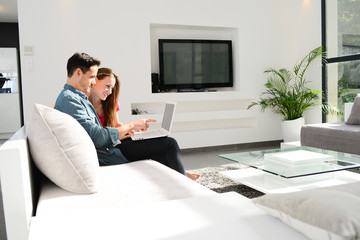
<point x="331" y="60"/>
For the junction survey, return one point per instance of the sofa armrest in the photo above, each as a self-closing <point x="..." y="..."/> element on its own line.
<point x="16" y="185"/>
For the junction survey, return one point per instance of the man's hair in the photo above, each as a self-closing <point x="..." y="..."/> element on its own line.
<point x="82" y="61"/>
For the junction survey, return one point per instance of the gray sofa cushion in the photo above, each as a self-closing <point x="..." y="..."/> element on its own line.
<point x="332" y="136"/>
<point x="323" y="213"/>
<point x="354" y="118"/>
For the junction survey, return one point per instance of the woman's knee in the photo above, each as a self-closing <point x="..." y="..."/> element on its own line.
<point x="171" y="142"/>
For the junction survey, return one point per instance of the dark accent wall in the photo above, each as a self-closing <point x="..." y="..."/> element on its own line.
<point x="9" y="37"/>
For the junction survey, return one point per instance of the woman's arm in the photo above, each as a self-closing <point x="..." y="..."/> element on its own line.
<point x="118" y="124"/>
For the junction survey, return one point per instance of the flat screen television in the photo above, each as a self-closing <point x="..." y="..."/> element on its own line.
<point x="195" y="64"/>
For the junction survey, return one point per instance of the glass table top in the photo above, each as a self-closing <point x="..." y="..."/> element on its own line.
<point x="297" y="161"/>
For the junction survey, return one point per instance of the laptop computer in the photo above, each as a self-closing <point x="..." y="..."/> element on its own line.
<point x="165" y="125"/>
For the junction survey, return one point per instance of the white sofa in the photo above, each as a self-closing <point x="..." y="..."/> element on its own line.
<point x="144" y="199"/>
<point x="140" y="200"/>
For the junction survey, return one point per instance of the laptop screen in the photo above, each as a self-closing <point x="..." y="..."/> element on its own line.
<point x="168" y="115"/>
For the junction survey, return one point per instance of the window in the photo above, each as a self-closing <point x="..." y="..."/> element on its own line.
<point x="341" y="39"/>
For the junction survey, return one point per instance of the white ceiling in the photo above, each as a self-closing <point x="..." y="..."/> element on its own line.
<point x="8" y="11"/>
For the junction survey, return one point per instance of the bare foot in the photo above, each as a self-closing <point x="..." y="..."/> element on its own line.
<point x="193" y="176"/>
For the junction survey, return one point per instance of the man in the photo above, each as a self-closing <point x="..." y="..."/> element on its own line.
<point x="82" y="70"/>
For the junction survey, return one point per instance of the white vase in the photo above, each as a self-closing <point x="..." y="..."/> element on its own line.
<point x="291" y="129"/>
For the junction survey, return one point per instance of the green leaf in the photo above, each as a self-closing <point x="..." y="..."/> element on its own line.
<point x="286" y="92"/>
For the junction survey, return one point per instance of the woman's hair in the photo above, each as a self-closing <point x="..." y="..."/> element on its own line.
<point x="111" y="102"/>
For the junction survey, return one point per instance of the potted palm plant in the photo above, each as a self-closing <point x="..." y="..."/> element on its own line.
<point x="288" y="95"/>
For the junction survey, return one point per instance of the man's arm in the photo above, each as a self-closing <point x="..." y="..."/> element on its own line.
<point x="101" y="137"/>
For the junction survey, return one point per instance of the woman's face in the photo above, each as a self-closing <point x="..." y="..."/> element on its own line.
<point x="103" y="87"/>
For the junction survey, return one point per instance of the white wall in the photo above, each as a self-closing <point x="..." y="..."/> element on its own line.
<point x="270" y="33"/>
<point x="307" y="32"/>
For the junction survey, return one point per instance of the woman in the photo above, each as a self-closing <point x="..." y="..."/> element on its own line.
<point x="104" y="97"/>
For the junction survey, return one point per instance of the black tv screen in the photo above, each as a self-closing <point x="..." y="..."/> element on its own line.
<point x="195" y="64"/>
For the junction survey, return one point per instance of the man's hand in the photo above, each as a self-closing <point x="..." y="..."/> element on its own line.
<point x="142" y="124"/>
<point x="126" y="130"/>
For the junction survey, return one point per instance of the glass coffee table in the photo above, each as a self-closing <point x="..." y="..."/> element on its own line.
<point x="293" y="169"/>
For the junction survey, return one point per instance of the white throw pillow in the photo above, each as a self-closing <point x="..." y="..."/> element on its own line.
<point x="62" y="150"/>
<point x="318" y="213"/>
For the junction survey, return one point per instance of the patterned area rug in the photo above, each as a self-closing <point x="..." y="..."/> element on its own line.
<point x="210" y="178"/>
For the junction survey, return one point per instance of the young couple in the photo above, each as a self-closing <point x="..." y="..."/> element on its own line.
<point x="90" y="95"/>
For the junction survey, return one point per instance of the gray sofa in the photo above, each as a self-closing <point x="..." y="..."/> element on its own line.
<point x="332" y="136"/>
<point x="340" y="136"/>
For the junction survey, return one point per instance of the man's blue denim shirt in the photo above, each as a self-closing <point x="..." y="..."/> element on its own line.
<point x="77" y="105"/>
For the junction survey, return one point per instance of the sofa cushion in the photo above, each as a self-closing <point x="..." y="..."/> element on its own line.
<point x="318" y="213"/>
<point x="322" y="136"/>
<point x="354" y="117"/>
<point x="62" y="150"/>
<point x="122" y="185"/>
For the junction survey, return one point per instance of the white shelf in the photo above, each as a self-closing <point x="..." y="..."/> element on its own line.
<point x="200" y="115"/>
<point x="195" y="106"/>
<point x="191" y="126"/>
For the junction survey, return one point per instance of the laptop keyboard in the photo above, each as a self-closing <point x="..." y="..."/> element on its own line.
<point x="150" y="133"/>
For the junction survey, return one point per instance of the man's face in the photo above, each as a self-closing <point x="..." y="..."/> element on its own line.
<point x="87" y="80"/>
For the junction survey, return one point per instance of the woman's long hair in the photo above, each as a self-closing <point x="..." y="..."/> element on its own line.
<point x="110" y="104"/>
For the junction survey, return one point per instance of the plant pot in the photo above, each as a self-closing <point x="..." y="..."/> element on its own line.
<point x="291" y="129"/>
